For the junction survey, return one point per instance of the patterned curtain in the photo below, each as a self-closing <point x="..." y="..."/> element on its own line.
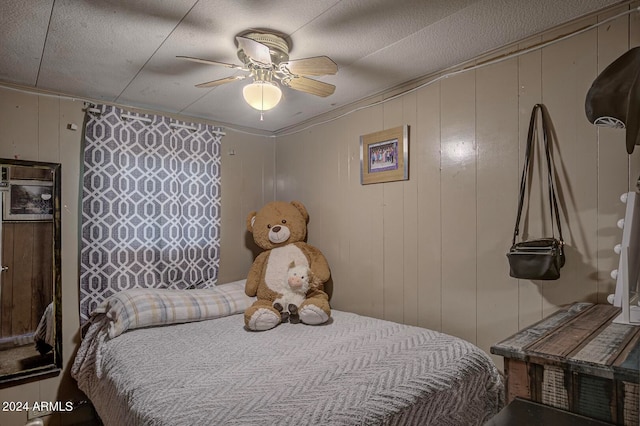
<point x="150" y="205"/>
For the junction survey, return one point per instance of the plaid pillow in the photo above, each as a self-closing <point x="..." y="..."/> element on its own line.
<point x="147" y="307"/>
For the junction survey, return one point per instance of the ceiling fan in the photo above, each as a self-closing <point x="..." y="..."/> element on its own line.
<point x="265" y="56"/>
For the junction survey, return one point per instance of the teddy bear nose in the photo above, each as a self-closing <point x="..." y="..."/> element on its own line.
<point x="276" y="228"/>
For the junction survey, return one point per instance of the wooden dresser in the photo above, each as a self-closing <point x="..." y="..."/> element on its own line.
<point x="577" y="360"/>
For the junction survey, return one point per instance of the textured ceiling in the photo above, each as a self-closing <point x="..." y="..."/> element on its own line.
<point x="124" y="51"/>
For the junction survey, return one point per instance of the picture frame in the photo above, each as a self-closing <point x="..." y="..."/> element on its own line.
<point x="384" y="156"/>
<point x="28" y="200"/>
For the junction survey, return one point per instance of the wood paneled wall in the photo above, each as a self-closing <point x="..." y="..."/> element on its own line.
<point x="27" y="286"/>
<point x="430" y="251"/>
<point x="27" y="252"/>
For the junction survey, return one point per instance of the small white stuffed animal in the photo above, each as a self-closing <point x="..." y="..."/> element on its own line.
<point x="299" y="281"/>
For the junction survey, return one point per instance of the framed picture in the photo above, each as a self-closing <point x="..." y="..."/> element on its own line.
<point x="28" y="200"/>
<point x="384" y="156"/>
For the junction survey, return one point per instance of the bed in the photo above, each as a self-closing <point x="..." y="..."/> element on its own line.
<point x="184" y="364"/>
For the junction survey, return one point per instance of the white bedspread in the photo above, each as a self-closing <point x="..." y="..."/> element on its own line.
<point x="355" y="370"/>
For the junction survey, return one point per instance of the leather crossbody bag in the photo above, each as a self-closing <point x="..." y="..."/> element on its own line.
<point x="537" y="259"/>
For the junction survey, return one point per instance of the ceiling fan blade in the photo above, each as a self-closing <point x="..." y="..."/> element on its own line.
<point x="308" y="85"/>
<point x="318" y="65"/>
<point x="221" y="81"/>
<point x="254" y="50"/>
<point x="208" y="62"/>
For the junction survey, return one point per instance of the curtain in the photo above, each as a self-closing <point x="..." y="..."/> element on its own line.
<point x="150" y="205"/>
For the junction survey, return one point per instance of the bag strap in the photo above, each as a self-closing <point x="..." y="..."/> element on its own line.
<point x="528" y="160"/>
<point x="553" y="202"/>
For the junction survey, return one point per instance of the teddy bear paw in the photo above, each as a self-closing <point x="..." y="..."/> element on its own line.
<point x="313" y="315"/>
<point x="263" y="319"/>
<point x="284" y="315"/>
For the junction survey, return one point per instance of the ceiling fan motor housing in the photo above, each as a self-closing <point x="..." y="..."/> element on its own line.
<point x="266" y="57"/>
<point x="278" y="47"/>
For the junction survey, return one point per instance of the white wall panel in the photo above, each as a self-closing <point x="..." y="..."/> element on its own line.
<point x="425" y="170"/>
<point x="529" y="93"/>
<point x="497" y="189"/>
<point x="410" y="213"/>
<point x="393" y="229"/>
<point x="458" y="205"/>
<point x="568" y="69"/>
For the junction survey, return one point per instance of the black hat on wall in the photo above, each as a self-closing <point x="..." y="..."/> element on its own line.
<point x="614" y="97"/>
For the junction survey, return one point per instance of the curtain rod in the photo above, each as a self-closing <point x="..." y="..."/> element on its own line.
<point x="173" y="124"/>
<point x="125" y="116"/>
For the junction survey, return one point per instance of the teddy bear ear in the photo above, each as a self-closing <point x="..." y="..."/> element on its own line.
<point x="251" y="219"/>
<point x="302" y="209"/>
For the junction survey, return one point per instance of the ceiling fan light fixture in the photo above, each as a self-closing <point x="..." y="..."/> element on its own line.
<point x="262" y="95"/>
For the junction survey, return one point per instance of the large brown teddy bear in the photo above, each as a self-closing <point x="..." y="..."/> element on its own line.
<point x="280" y="229"/>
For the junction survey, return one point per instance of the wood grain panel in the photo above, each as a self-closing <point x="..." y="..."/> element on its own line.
<point x="530" y="93"/>
<point x="458" y="198"/>
<point x="630" y="412"/>
<point x="410" y="218"/>
<point x="344" y="149"/>
<point x="6" y="292"/>
<point x="568" y="69"/>
<point x="497" y="188"/>
<point x="49" y="129"/>
<point x="27" y="250"/>
<point x="513" y="347"/>
<point x="393" y="234"/>
<point x="290" y="171"/>
<point x="365" y="221"/>
<point x="426" y="171"/>
<point x="517" y="380"/>
<point x="319" y="174"/>
<point x="27" y="286"/>
<point x="22" y="282"/>
<point x="606" y="346"/>
<point x="248" y="180"/>
<point x="330" y="237"/>
<point x="19" y="124"/>
<point x="575" y="333"/>
<point x="393" y="230"/>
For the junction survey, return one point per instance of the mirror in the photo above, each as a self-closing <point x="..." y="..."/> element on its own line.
<point x="30" y="294"/>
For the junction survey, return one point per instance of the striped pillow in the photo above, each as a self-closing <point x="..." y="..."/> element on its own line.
<point x="147" y="307"/>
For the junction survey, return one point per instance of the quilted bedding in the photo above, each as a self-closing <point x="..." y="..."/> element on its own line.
<point x="354" y="370"/>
